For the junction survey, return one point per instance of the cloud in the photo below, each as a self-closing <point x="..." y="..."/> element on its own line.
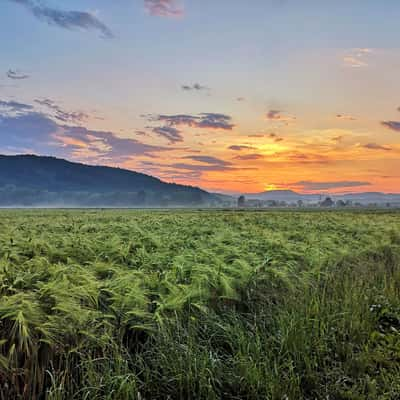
<point x="169" y="174"/>
<point x="346" y="117"/>
<point x="249" y="157"/>
<point x="65" y="19"/>
<point x="16" y="75"/>
<point x="22" y="127"/>
<point x="240" y="99"/>
<point x="311" y="185"/>
<point x="375" y="146"/>
<point x="164" y="8"/>
<point x="185" y="169"/>
<point x="299" y="157"/>
<point x="106" y="144"/>
<point x="276" y="115"/>
<point x="195" y="86"/>
<point x="275" y="137"/>
<point x="169" y="132"/>
<point x="272" y="135"/>
<point x="215" y="121"/>
<point x="14" y="106"/>
<point x="208" y="160"/>
<point x="240" y="147"/>
<point x="62" y="115"/>
<point x="202" y="167"/>
<point x="338" y="138"/>
<point x="201" y="121"/>
<point x="393" y="125"/>
<point x="357" y="58"/>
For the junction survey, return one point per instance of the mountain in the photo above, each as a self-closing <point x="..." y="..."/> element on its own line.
<point x="370" y="197"/>
<point x="282" y="195"/>
<point x="29" y="180"/>
<point x="291" y="196"/>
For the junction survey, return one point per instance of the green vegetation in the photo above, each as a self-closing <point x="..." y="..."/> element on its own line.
<point x="37" y="181"/>
<point x="199" y="305"/>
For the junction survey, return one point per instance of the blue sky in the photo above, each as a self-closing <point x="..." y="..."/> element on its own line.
<point x="329" y="71"/>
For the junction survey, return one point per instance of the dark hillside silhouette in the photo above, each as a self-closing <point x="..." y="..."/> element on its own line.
<point x="35" y="180"/>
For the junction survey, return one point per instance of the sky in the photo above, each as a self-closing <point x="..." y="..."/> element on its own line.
<point x="232" y="96"/>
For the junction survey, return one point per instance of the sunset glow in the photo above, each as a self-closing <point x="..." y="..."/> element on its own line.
<point x="217" y="94"/>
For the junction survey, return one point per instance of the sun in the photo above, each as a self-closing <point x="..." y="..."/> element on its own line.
<point x="270" y="186"/>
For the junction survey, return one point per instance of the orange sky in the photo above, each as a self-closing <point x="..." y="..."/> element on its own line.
<point x="279" y="95"/>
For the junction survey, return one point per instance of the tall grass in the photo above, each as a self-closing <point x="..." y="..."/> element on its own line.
<point x="199" y="305"/>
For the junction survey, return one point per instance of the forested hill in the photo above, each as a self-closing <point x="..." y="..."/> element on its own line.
<point x="28" y="180"/>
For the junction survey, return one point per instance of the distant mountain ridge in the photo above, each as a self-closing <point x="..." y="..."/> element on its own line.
<point x="33" y="181"/>
<point x="292" y="196"/>
<point x="38" y="180"/>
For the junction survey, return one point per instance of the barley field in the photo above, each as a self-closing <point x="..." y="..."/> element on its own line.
<point x="279" y="305"/>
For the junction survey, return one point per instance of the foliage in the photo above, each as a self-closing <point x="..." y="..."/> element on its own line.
<point x="199" y="305"/>
<point x="32" y="181"/>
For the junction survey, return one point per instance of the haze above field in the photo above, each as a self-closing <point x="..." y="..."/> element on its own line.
<point x="29" y="180"/>
<point x="222" y="95"/>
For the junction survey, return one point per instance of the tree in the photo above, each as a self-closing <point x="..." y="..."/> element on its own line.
<point x="328" y="202"/>
<point x="340" y="203"/>
<point x="241" y="201"/>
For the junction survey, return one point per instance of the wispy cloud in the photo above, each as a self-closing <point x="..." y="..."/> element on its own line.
<point x="393" y="125"/>
<point x="337" y="139"/>
<point x="22" y="127"/>
<point x="312" y="185"/>
<point x="186" y="170"/>
<point x="170" y="133"/>
<point x="16" y="75"/>
<point x="167" y="172"/>
<point x="375" y="146"/>
<point x="249" y="157"/>
<point x="275" y="137"/>
<point x="61" y="114"/>
<point x="271" y="135"/>
<point x="14" y="106"/>
<point x="164" y="8"/>
<point x="208" y="160"/>
<point x="201" y="121"/>
<point x="357" y="58"/>
<point x="277" y="115"/>
<point x="195" y="86"/>
<point x="202" y="167"/>
<point x="65" y="19"/>
<point x="345" y="117"/>
<point x="240" y="147"/>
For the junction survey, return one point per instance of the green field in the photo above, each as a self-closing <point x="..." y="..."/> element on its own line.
<point x="199" y="305"/>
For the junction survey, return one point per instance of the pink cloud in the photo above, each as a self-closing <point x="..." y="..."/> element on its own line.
<point x="164" y="8"/>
